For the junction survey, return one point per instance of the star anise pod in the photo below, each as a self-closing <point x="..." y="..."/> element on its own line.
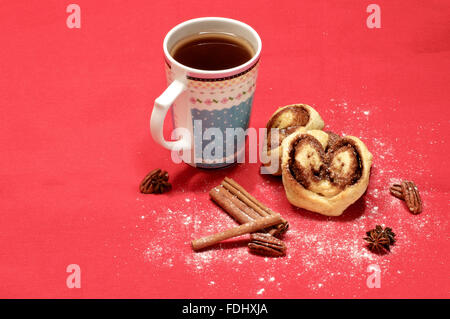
<point x="155" y="182"/>
<point x="379" y="240"/>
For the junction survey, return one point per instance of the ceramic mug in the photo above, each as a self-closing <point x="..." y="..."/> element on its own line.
<point x="204" y="102"/>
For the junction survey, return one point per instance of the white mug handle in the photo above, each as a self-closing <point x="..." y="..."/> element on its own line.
<point x="162" y="105"/>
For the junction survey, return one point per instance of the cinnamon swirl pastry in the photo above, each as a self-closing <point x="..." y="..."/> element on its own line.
<point x="323" y="172"/>
<point x="285" y="121"/>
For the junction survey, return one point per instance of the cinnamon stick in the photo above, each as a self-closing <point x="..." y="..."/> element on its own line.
<point x="246" y="228"/>
<point x="237" y="190"/>
<point x="239" y="193"/>
<point x="232" y="205"/>
<point x="236" y="208"/>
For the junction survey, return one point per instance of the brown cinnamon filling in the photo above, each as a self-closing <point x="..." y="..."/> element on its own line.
<point x="286" y="122"/>
<point x="332" y="139"/>
<point x="344" y="163"/>
<point x="340" y="162"/>
<point x="315" y="169"/>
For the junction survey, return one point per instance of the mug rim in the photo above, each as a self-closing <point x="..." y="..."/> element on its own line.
<point x="212" y="73"/>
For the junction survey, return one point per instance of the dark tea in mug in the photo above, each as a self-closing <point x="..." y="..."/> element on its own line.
<point x="212" y="51"/>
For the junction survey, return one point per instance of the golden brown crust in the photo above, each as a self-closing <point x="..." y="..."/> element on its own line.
<point x="323" y="172"/>
<point x="284" y="122"/>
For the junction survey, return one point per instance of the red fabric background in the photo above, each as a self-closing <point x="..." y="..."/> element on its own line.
<point x="75" y="144"/>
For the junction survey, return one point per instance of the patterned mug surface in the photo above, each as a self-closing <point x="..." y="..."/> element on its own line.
<point x="221" y="104"/>
<point x="211" y="108"/>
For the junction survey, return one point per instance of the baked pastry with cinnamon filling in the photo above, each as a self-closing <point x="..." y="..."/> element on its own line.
<point x="323" y="172"/>
<point x="285" y="121"/>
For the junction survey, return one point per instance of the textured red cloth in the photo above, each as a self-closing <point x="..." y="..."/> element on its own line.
<point x="75" y="143"/>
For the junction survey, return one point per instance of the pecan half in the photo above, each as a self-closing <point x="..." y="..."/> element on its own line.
<point x="155" y="182"/>
<point x="266" y="244"/>
<point x="412" y="197"/>
<point x="396" y="190"/>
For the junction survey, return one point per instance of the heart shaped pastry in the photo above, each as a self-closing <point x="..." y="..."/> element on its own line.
<point x="323" y="172"/>
<point x="285" y="121"/>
